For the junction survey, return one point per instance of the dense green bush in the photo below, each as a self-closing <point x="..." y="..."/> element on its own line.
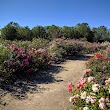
<point x="4" y="53"/>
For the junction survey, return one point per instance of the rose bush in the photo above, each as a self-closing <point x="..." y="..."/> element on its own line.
<point x="60" y="49"/>
<point x="93" y="90"/>
<point x="90" y="95"/>
<point x="21" y="60"/>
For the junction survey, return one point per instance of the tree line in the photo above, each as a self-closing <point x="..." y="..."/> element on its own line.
<point x="13" y="31"/>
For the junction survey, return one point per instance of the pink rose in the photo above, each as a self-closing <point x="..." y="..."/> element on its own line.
<point x="83" y="81"/>
<point x="102" y="106"/>
<point x="87" y="71"/>
<point x="28" y="57"/>
<point x="102" y="100"/>
<point x="21" y="65"/>
<point x="79" y="86"/>
<point x="69" y="86"/>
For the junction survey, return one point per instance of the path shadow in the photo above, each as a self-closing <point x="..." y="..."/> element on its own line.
<point x="21" y="86"/>
<point x="83" y="57"/>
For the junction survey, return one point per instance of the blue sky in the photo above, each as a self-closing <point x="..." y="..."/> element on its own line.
<point x="58" y="12"/>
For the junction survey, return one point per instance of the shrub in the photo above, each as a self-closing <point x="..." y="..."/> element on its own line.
<point x="4" y="53"/>
<point x="39" y="43"/>
<point x="24" y="60"/>
<point x="61" y="49"/>
<point x="4" y="56"/>
<point x="93" y="91"/>
<point x="89" y="95"/>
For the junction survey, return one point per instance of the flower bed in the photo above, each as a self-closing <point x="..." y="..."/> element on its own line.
<point x="92" y="92"/>
<point x="21" y="60"/>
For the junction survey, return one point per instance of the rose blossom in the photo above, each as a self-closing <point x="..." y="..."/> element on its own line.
<point x="83" y="81"/>
<point x="88" y="99"/>
<point x="91" y="79"/>
<point x="107" y="81"/>
<point x="102" y="106"/>
<point x="104" y="67"/>
<point x="95" y="87"/>
<point x="93" y="99"/>
<point x="87" y="71"/>
<point x="69" y="86"/>
<point x="102" y="100"/>
<point x="74" y="98"/>
<point x="85" y="108"/>
<point x="83" y="95"/>
<point x="79" y="86"/>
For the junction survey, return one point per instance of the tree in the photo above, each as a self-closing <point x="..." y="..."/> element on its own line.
<point x="70" y="32"/>
<point x="24" y="33"/>
<point x="39" y="32"/>
<point x="9" y="32"/>
<point x="101" y="34"/>
<point x="54" y="31"/>
<point x="84" y="31"/>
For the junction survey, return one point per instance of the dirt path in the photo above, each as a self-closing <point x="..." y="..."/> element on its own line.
<point x="54" y="95"/>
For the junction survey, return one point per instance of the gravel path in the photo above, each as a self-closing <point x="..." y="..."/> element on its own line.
<point x="53" y="95"/>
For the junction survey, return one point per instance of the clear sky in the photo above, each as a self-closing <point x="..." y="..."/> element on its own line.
<point x="58" y="12"/>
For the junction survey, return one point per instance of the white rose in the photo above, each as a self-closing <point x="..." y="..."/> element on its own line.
<point x="93" y="99"/>
<point x="83" y="95"/>
<point x="90" y="79"/>
<point x="88" y="99"/>
<point x="71" y="99"/>
<point x="74" y="98"/>
<point x="85" y="108"/>
<point x="95" y="87"/>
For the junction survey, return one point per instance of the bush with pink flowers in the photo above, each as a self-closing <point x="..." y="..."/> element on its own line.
<point x="22" y="60"/>
<point x="61" y="49"/>
<point x="92" y="92"/>
<point x="89" y="95"/>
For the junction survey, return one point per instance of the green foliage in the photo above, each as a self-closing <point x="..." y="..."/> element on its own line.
<point x="4" y="54"/>
<point x="39" y="32"/>
<point x="39" y="43"/>
<point x="70" y="32"/>
<point x="9" y="32"/>
<point x="101" y="34"/>
<point x="84" y="31"/>
<point x="54" y="31"/>
<point x="24" y="33"/>
<point x="13" y="31"/>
